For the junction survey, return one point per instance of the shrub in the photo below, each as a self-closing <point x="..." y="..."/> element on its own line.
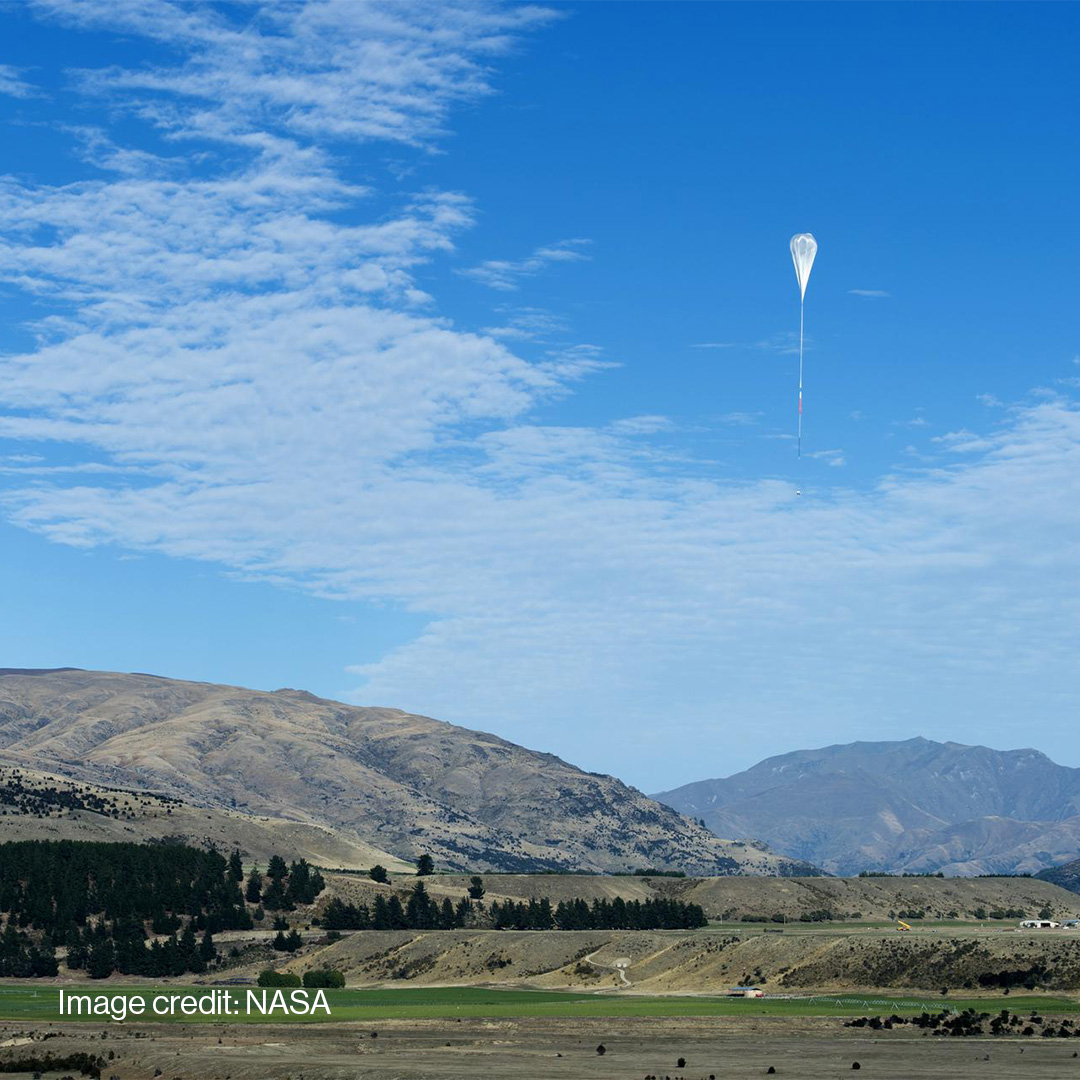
<point x="324" y="978"/>
<point x="278" y="978"/>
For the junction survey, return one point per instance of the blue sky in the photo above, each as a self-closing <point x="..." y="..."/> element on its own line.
<point x="441" y="357"/>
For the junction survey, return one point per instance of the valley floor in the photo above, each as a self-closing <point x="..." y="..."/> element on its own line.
<point x="548" y="1049"/>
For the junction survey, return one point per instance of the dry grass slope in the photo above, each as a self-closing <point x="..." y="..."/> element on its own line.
<point x="396" y="782"/>
<point x="38" y="806"/>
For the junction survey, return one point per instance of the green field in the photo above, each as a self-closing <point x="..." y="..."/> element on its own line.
<point x="23" y="1003"/>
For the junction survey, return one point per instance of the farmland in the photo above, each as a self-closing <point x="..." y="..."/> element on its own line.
<point x="27" y="1003"/>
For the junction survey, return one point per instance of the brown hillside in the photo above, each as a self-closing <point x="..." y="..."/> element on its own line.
<point x="37" y="806"/>
<point x="397" y="782"/>
<point x="700" y="962"/>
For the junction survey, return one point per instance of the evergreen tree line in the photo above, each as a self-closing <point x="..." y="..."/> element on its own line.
<point x="103" y="949"/>
<point x="283" y="887"/>
<point x="422" y="912"/>
<point x="21" y="958"/>
<point x="97" y="900"/>
<point x="51" y="885"/>
<point x="419" y="912"/>
<point x="618" y="914"/>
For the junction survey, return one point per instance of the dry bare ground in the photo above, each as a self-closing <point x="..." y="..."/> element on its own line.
<point x="665" y="962"/>
<point x="545" y="1049"/>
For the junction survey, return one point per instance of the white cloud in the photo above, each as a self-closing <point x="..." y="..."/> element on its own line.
<point x="360" y="71"/>
<point x="786" y="343"/>
<point x="527" y="324"/>
<point x="641" y="425"/>
<point x="505" y="275"/>
<point x="12" y="84"/>
<point x="876" y="294"/>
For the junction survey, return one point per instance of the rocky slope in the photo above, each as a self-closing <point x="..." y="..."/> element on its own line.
<point x="400" y="783"/>
<point x="41" y="806"/>
<point x="917" y="806"/>
<point x="1066" y="876"/>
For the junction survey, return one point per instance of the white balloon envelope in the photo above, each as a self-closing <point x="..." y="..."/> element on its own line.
<point x="803" y="250"/>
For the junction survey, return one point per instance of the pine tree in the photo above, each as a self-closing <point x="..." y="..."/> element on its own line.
<point x="236" y="867"/>
<point x="396" y="914"/>
<point x="380" y="914"/>
<point x="253" y="892"/>
<point x="102" y="960"/>
<point x="425" y="865"/>
<point x="275" y="897"/>
<point x="462" y="912"/>
<point x="446" y="915"/>
<point x="421" y="912"/>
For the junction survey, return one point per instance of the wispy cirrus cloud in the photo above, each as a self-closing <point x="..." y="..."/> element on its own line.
<point x="506" y="275"/>
<point x="527" y="324"/>
<point x="874" y="294"/>
<point x="785" y="342"/>
<point x="12" y="83"/>
<point x="834" y="458"/>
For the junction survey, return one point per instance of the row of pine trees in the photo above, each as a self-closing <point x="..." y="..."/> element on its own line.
<point x="423" y="912"/>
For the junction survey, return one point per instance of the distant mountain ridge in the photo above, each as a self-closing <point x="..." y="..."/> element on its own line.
<point x="916" y="805"/>
<point x="1066" y="876"/>
<point x="396" y="782"/>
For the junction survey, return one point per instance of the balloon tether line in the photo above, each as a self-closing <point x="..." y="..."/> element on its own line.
<point x="802" y="308"/>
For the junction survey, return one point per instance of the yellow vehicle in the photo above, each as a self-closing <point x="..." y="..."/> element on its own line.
<point x="903" y="926"/>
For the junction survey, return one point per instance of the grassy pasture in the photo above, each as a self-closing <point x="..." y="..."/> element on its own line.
<point x="25" y="1003"/>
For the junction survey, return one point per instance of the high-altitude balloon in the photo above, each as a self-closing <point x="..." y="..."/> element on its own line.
<point x="803" y="250"/>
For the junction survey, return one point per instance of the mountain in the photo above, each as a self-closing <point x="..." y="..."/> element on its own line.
<point x="918" y="806"/>
<point x="400" y="783"/>
<point x="1066" y="876"/>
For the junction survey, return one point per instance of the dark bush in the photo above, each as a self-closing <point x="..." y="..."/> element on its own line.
<point x="278" y="978"/>
<point x="324" y="978"/>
